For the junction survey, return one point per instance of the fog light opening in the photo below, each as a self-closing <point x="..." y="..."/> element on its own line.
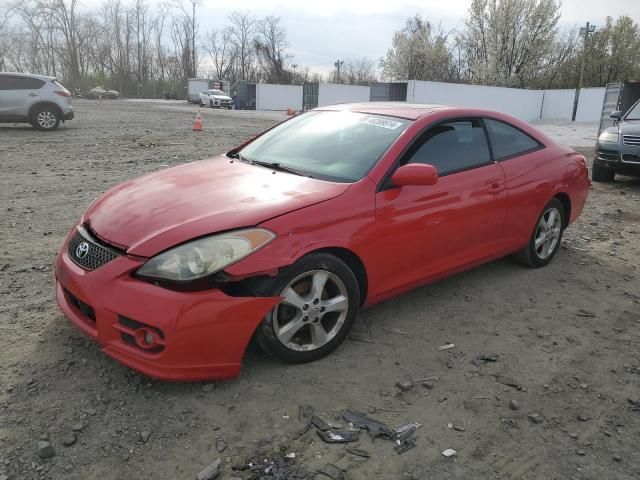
<point x="146" y="339"/>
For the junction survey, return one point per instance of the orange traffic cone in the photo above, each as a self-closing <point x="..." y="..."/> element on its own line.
<point x="197" y="124"/>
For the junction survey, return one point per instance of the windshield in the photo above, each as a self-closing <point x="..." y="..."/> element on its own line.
<point x="216" y="92"/>
<point x="633" y="113"/>
<point x="339" y="146"/>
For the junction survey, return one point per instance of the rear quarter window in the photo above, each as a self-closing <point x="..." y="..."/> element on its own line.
<point x="508" y="141"/>
<point x="8" y="82"/>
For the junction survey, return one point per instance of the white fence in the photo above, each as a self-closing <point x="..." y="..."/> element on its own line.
<point x="525" y="104"/>
<point x="557" y="104"/>
<point x="590" y="105"/>
<point x="278" y="97"/>
<point x="332" y="93"/>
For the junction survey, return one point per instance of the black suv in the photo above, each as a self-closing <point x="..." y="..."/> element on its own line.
<point x="618" y="147"/>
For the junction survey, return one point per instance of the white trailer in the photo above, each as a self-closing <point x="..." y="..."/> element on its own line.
<point x="278" y="97"/>
<point x="333" y="93"/>
<point x="195" y="86"/>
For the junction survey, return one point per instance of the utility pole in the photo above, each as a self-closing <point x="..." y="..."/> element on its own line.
<point x="294" y="66"/>
<point x="584" y="32"/>
<point x="338" y="64"/>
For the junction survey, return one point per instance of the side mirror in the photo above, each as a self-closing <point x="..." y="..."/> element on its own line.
<point x="616" y="115"/>
<point x="415" y="174"/>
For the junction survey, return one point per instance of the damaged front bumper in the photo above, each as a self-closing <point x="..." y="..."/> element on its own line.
<point x="193" y="335"/>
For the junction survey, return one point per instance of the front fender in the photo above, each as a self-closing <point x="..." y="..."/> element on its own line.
<point x="341" y="222"/>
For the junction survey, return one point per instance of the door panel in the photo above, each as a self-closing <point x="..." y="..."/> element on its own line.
<point x="528" y="167"/>
<point x="18" y="94"/>
<point x="426" y="231"/>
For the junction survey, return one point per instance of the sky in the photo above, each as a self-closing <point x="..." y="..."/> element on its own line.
<point x="322" y="31"/>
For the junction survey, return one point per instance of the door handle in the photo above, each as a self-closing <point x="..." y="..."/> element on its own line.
<point x="33" y="94"/>
<point x="495" y="188"/>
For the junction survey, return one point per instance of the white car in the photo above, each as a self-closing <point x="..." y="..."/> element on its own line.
<point x="215" y="99"/>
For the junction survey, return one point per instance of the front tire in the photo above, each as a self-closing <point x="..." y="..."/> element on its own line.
<point x="201" y="104"/>
<point x="46" y="119"/>
<point x="321" y="299"/>
<point x="545" y="239"/>
<point x="600" y="173"/>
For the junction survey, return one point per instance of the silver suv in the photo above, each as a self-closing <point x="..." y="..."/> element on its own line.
<point x="35" y="99"/>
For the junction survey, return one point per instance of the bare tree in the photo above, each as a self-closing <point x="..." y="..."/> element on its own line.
<point x="222" y="51"/>
<point x="187" y="27"/>
<point x="243" y="26"/>
<point x="561" y="66"/>
<point x="7" y="36"/>
<point x="355" y="71"/>
<point x="271" y="45"/>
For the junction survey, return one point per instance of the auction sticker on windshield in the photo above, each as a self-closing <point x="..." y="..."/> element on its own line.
<point x="382" y="122"/>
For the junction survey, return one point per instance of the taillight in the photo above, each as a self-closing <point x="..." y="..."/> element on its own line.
<point x="582" y="161"/>
<point x="63" y="93"/>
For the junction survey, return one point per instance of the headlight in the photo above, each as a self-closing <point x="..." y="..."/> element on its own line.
<point x="609" y="137"/>
<point x="203" y="257"/>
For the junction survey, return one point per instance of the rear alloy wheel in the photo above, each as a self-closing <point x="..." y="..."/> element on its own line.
<point x="46" y="118"/>
<point x="600" y="173"/>
<point x="320" y="302"/>
<point x="546" y="237"/>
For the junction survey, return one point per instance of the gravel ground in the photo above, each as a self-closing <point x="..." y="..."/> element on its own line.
<point x="556" y="397"/>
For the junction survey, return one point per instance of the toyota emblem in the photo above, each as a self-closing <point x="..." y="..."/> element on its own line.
<point x="82" y="250"/>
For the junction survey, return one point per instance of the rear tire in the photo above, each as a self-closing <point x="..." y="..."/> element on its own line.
<point x="600" y="173"/>
<point x="546" y="237"/>
<point x="46" y="118"/>
<point x="321" y="301"/>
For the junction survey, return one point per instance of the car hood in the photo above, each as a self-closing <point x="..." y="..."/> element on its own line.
<point x="220" y="97"/>
<point x="149" y="214"/>
<point x="630" y="127"/>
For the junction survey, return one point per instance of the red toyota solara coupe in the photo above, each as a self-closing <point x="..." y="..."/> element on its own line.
<point x="286" y="237"/>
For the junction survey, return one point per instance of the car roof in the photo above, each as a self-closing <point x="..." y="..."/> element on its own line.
<point x="410" y="111"/>
<point x="28" y="75"/>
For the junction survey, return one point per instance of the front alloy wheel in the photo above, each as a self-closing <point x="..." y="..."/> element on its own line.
<point x="314" y="309"/>
<point x="320" y="299"/>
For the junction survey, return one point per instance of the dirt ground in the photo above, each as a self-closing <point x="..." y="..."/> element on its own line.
<point x="566" y="336"/>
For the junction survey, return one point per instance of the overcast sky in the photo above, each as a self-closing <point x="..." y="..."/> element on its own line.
<point x="321" y="31"/>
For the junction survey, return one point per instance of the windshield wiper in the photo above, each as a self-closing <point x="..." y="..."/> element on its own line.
<point x="281" y="168"/>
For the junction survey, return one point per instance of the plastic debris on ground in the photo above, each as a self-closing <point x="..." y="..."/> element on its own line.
<point x="449" y="452"/>
<point x="278" y="468"/>
<point x="339" y="436"/>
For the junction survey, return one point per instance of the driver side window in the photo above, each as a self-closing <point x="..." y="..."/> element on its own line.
<point x="452" y="147"/>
